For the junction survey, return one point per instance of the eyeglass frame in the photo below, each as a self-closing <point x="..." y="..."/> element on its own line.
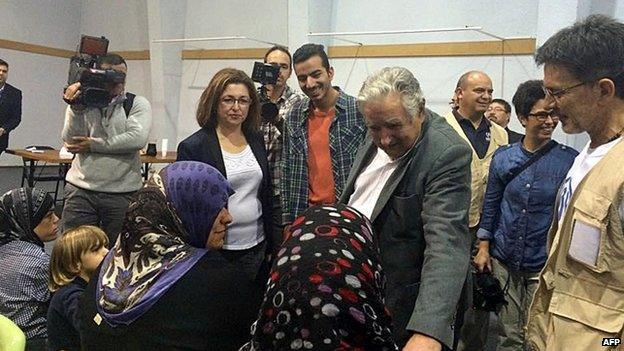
<point x="543" y="118"/>
<point x="557" y="94"/>
<point x="230" y="101"/>
<point x="497" y="109"/>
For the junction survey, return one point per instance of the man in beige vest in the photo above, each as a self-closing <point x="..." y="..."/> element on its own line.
<point x="473" y="95"/>
<point x="579" y="302"/>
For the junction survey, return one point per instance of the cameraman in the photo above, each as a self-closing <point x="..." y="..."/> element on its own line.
<point x="284" y="98"/>
<point x="106" y="169"/>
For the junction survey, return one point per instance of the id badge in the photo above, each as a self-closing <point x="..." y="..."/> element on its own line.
<point x="585" y="243"/>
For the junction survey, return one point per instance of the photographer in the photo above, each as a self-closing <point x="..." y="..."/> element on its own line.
<point x="284" y="98"/>
<point x="106" y="169"/>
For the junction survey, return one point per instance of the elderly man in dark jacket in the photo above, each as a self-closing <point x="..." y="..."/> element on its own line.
<point x="412" y="179"/>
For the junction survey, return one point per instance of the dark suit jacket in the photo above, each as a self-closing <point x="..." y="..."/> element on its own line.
<point x="513" y="136"/>
<point x="10" y="112"/>
<point x="203" y="146"/>
<point x="421" y="222"/>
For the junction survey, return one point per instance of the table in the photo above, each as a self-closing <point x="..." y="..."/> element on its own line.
<point x="53" y="157"/>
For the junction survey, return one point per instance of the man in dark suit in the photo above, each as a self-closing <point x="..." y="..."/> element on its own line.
<point x="10" y="106"/>
<point x="412" y="179"/>
<point x="499" y="112"/>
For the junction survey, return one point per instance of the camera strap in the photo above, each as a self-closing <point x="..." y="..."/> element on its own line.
<point x="128" y="102"/>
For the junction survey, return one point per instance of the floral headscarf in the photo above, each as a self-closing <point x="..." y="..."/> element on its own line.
<point x="21" y="211"/>
<point x="163" y="236"/>
<point x="326" y="288"/>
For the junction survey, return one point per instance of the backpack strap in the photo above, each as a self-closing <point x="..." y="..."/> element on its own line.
<point x="127" y="104"/>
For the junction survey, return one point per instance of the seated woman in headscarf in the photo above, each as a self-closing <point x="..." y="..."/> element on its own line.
<point x="158" y="287"/>
<point x="27" y="220"/>
<point x="326" y="287"/>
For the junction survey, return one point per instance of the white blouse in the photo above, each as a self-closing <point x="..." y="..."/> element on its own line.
<point x="245" y="175"/>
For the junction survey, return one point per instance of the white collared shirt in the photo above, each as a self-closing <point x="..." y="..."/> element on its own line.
<point x="371" y="181"/>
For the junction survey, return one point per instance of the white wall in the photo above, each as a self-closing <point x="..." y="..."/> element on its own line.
<point x="268" y="22"/>
<point x="41" y="78"/>
<point x="289" y="22"/>
<point x="124" y="24"/>
<point x="174" y="85"/>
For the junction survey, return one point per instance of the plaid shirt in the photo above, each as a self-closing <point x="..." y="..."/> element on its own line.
<point x="273" y="138"/>
<point x="346" y="133"/>
<point x="24" y="294"/>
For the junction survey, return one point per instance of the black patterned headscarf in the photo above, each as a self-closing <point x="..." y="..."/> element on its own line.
<point x="326" y="288"/>
<point x="163" y="236"/>
<point x="21" y="211"/>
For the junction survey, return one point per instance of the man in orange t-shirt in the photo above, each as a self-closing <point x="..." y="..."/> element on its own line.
<point x="321" y="136"/>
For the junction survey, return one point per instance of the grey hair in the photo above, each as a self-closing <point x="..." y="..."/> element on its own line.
<point x="393" y="79"/>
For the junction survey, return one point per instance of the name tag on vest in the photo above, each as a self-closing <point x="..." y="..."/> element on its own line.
<point x="585" y="243"/>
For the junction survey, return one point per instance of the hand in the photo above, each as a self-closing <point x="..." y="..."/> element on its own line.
<point x="2" y="131"/>
<point x="483" y="261"/>
<point x="79" y="145"/>
<point x="420" y="342"/>
<point x="72" y="92"/>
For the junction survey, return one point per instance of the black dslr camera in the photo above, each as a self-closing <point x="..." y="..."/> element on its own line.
<point x="266" y="74"/>
<point x="487" y="292"/>
<point x="95" y="83"/>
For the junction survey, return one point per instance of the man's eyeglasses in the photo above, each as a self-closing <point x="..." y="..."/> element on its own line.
<point x="557" y="94"/>
<point x="230" y="101"/>
<point x="542" y="116"/>
<point x="496" y="109"/>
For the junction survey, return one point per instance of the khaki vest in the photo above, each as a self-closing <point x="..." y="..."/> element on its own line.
<point x="589" y="296"/>
<point x="479" y="168"/>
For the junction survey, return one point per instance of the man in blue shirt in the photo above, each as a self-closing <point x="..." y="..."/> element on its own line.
<point x="518" y="209"/>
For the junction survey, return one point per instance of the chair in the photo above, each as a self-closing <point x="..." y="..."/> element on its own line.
<point x="42" y="173"/>
<point x="11" y="336"/>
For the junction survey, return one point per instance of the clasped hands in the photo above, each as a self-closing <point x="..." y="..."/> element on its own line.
<point x="79" y="145"/>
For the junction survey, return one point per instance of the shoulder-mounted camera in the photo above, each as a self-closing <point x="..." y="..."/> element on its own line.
<point x="95" y="82"/>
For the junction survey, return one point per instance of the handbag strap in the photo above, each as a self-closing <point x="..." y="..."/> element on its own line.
<point x="536" y="156"/>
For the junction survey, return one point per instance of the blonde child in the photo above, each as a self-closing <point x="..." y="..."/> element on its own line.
<point x="75" y="257"/>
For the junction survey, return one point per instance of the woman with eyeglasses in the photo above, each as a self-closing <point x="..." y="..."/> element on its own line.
<point x="229" y="140"/>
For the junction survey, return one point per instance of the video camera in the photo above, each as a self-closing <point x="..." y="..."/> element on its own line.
<point x="266" y="74"/>
<point x="95" y="83"/>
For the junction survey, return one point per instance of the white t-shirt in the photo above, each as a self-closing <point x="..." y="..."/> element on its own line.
<point x="245" y="175"/>
<point x="583" y="163"/>
<point x="371" y="181"/>
<point x="586" y="238"/>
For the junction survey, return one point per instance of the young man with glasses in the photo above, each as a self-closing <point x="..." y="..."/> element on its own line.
<point x="579" y="302"/>
<point x="517" y="211"/>
<point x="499" y="112"/>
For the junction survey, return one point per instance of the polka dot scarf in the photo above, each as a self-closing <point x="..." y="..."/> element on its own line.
<point x="325" y="290"/>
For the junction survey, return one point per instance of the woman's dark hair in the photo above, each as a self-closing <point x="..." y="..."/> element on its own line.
<point x="527" y="94"/>
<point x="310" y="50"/>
